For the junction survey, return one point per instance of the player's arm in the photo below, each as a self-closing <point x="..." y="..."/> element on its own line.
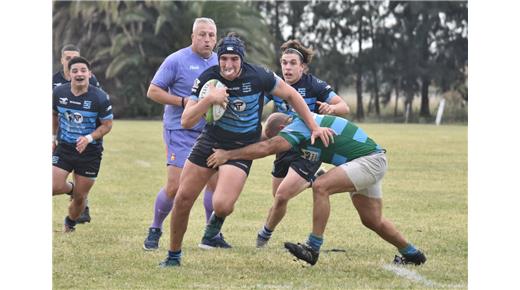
<point x="102" y="130"/>
<point x="250" y="152"/>
<point x="196" y="109"/>
<point x="161" y="96"/>
<point x="288" y="93"/>
<point x="336" y="106"/>
<point x="54" y="129"/>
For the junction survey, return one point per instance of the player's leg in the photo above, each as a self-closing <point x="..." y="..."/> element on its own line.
<point x="208" y="195"/>
<point x="290" y="186"/>
<point x="86" y="168"/>
<point x="61" y="168"/>
<point x="231" y="180"/>
<point x="82" y="186"/>
<point x="178" y="144"/>
<point x="59" y="181"/>
<point x="367" y="174"/>
<point x="193" y="180"/>
<point x="333" y="181"/>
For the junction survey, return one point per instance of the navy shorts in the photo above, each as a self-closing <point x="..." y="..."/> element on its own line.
<point x="203" y="149"/>
<point x="86" y="164"/>
<point x="304" y="167"/>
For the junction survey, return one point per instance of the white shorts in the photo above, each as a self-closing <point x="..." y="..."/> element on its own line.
<point x="366" y="174"/>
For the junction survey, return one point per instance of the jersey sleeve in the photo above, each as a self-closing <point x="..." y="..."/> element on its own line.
<point x="94" y="81"/>
<point x="199" y="83"/>
<point x="166" y="73"/>
<point x="269" y="79"/>
<point x="268" y="98"/>
<point x="322" y="90"/>
<point x="54" y="100"/>
<point x="105" y="107"/>
<point x="296" y="132"/>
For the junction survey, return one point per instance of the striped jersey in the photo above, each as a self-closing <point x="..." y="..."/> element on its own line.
<point x="80" y="115"/>
<point x="311" y="88"/>
<point x="242" y="118"/>
<point x="350" y="141"/>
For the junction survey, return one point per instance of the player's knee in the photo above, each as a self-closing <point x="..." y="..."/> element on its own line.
<point x="320" y="188"/>
<point x="281" y="198"/>
<point x="171" y="190"/>
<point x="372" y="223"/>
<point x="222" y="209"/>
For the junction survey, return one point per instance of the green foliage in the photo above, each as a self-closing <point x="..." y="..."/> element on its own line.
<point x="381" y="47"/>
<point x="425" y="195"/>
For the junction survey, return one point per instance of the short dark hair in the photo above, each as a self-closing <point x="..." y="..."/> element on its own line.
<point x="79" y="59"/>
<point x="69" y="47"/>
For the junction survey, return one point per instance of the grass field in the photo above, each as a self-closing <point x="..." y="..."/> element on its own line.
<point x="425" y="195"/>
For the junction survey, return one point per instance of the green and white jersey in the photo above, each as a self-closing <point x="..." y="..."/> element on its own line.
<point x="350" y="141"/>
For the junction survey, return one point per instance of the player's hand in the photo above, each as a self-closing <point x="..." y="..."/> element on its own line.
<point x="325" y="108"/>
<point x="81" y="144"/>
<point x="218" y="95"/>
<point x="218" y="158"/>
<point x="325" y="134"/>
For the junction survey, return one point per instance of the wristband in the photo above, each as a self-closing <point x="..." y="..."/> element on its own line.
<point x="54" y="138"/>
<point x="89" y="138"/>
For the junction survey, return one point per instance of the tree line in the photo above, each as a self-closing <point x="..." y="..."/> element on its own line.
<point x="381" y="48"/>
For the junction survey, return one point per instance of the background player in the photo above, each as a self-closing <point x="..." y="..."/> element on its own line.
<point x="171" y="86"/>
<point x="82" y="115"/>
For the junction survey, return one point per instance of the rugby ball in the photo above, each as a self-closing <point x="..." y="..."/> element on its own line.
<point x="215" y="111"/>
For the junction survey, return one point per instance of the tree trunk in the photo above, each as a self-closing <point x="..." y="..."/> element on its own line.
<point x="360" y="114"/>
<point x="425" y="100"/>
<point x="396" y="97"/>
<point x="376" y="91"/>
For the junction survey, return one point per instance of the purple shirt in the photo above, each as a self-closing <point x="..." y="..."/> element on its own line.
<point x="176" y="75"/>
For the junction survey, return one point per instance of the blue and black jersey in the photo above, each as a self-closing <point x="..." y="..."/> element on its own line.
<point x="80" y="115"/>
<point x="242" y="119"/>
<point x="58" y="80"/>
<point x="311" y="88"/>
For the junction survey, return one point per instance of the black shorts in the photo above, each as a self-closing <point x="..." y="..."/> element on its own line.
<point x="203" y="149"/>
<point x="86" y="164"/>
<point x="304" y="167"/>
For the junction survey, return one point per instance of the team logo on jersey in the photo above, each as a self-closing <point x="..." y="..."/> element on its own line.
<point x="239" y="105"/>
<point x="311" y="153"/>
<point x="55" y="159"/>
<point x="74" y="117"/>
<point x="194" y="67"/>
<point x="195" y="87"/>
<point x="302" y="91"/>
<point x="64" y="101"/>
<point x="246" y="87"/>
<point x="87" y="104"/>
<point x="172" y="157"/>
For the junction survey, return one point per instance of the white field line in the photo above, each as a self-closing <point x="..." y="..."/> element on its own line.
<point x="143" y="163"/>
<point x="416" y="277"/>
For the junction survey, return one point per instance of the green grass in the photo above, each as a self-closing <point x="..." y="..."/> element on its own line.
<point x="425" y="195"/>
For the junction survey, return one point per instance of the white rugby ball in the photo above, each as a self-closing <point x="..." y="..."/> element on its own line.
<point x="215" y="111"/>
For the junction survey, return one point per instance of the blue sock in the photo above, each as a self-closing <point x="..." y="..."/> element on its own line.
<point x="315" y="242"/>
<point x="265" y="233"/>
<point x="408" y="250"/>
<point x="175" y="255"/>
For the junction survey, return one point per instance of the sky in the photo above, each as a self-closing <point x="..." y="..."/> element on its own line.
<point x="25" y="190"/>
